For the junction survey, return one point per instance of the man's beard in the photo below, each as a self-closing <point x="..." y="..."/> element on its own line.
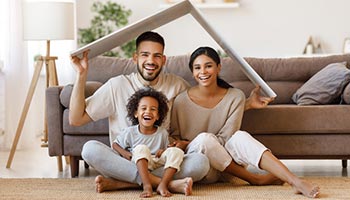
<point x="139" y="69"/>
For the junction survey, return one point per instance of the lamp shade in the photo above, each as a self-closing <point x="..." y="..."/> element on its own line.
<point x="48" y="20"/>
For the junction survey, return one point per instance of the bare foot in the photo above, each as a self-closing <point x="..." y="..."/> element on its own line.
<point x="147" y="192"/>
<point x="267" y="179"/>
<point x="306" y="188"/>
<point x="183" y="186"/>
<point x="163" y="190"/>
<point x="105" y="184"/>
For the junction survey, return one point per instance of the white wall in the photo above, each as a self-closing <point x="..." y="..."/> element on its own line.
<point x="2" y="108"/>
<point x="18" y="73"/>
<point x="266" y="28"/>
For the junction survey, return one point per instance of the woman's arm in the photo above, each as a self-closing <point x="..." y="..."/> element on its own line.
<point x="256" y="101"/>
<point x="232" y="120"/>
<point x="181" y="144"/>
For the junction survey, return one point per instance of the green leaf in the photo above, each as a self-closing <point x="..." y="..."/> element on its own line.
<point x="108" y="17"/>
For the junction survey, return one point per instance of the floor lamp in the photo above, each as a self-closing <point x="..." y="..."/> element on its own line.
<point x="44" y="20"/>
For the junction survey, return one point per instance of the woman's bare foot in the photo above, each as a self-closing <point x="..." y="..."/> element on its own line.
<point x="267" y="179"/>
<point x="306" y="188"/>
<point x="105" y="184"/>
<point x="183" y="186"/>
<point x="147" y="192"/>
<point x="162" y="189"/>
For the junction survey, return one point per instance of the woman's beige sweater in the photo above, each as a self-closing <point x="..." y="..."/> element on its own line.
<point x="189" y="119"/>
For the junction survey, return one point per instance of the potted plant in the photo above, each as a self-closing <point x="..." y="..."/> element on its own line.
<point x="109" y="16"/>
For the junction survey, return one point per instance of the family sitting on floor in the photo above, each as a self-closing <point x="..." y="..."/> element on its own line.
<point x="195" y="139"/>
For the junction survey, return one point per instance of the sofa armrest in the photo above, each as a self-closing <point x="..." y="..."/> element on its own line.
<point x="54" y="118"/>
<point x="90" y="88"/>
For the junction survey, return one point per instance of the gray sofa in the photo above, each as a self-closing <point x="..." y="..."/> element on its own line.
<point x="291" y="131"/>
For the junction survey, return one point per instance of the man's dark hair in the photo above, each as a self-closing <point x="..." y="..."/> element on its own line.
<point x="150" y="36"/>
<point x="134" y="101"/>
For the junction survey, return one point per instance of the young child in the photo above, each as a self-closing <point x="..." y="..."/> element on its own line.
<point x="146" y="142"/>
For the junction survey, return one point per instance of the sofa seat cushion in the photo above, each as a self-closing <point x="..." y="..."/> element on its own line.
<point x="293" y="119"/>
<point x="99" y="127"/>
<point x="296" y="146"/>
<point x="73" y="144"/>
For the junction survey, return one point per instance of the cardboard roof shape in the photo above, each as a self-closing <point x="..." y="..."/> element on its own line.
<point x="156" y="20"/>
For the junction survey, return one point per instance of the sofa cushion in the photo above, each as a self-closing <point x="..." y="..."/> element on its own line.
<point x="99" y="127"/>
<point x="293" y="119"/>
<point x="90" y="88"/>
<point x="102" y="68"/>
<point x="324" y="87"/>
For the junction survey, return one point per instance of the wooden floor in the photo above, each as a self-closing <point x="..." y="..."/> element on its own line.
<point x="35" y="163"/>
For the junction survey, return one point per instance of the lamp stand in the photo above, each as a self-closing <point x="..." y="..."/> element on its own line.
<point x="51" y="80"/>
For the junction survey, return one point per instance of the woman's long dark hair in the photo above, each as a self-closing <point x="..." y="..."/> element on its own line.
<point x="211" y="53"/>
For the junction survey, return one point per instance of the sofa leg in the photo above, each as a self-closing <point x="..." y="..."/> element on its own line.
<point x="344" y="163"/>
<point x="74" y="166"/>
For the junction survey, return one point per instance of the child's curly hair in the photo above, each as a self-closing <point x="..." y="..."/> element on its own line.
<point x="133" y="103"/>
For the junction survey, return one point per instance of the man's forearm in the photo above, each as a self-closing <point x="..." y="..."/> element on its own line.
<point x="77" y="101"/>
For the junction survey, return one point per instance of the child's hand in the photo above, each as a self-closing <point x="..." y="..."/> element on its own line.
<point x="159" y="153"/>
<point x="182" y="144"/>
<point x="127" y="155"/>
<point x="124" y="153"/>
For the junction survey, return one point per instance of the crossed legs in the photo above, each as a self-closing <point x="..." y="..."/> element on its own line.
<point x="125" y="175"/>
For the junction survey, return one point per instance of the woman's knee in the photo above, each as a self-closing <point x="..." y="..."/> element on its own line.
<point x="238" y="138"/>
<point x="241" y="134"/>
<point x="204" y="143"/>
<point x="206" y="139"/>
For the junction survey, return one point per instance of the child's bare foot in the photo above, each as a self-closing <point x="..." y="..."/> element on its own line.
<point x="306" y="188"/>
<point x="147" y="192"/>
<point x="163" y="190"/>
<point x="105" y="184"/>
<point x="183" y="186"/>
<point x="267" y="179"/>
